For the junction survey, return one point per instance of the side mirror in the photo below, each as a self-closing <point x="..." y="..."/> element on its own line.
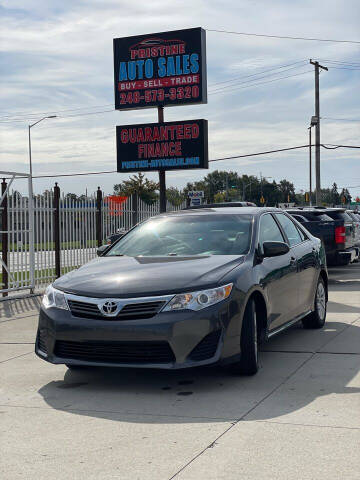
<point x="274" y="249"/>
<point x="101" y="250"/>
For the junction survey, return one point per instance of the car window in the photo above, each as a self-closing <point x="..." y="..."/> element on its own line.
<point x="324" y="218"/>
<point x="186" y="235"/>
<point x="302" y="235"/>
<point x="299" y="218"/>
<point x="312" y="216"/>
<point x="340" y="216"/>
<point x="290" y="229"/>
<point x="269" y="230"/>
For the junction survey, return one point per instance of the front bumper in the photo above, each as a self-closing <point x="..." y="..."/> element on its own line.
<point x="169" y="340"/>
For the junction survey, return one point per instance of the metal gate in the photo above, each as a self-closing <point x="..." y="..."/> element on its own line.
<point x="17" y="259"/>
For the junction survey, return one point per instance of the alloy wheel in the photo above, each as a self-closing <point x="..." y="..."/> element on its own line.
<point x="321" y="301"/>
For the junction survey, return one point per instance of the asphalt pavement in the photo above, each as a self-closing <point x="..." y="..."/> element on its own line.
<point x="299" y="418"/>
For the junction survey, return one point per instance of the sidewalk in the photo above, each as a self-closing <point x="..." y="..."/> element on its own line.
<point x="299" y="418"/>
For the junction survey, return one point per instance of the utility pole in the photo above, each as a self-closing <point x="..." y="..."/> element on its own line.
<point x="227" y="187"/>
<point x="317" y="130"/>
<point x="310" y="168"/>
<point x="162" y="178"/>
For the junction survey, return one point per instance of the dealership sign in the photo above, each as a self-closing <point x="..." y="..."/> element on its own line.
<point x="160" y="69"/>
<point x="162" y="146"/>
<point x="196" y="194"/>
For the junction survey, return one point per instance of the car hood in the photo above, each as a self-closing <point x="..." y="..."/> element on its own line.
<point x="146" y="276"/>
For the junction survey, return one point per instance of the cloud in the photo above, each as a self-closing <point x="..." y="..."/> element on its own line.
<point x="58" y="56"/>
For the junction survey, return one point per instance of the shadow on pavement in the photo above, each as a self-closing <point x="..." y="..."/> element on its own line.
<point x="14" y="309"/>
<point x="210" y="393"/>
<point x="294" y="374"/>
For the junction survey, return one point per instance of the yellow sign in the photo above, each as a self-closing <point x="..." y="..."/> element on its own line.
<point x="262" y="199"/>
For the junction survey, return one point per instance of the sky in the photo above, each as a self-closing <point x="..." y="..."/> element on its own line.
<point x="57" y="59"/>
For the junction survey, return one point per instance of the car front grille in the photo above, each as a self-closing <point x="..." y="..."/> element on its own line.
<point x="116" y="352"/>
<point x="207" y="347"/>
<point x="130" y="311"/>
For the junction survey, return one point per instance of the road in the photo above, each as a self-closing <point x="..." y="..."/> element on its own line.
<point x="299" y="418"/>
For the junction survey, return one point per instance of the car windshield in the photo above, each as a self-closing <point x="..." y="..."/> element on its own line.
<point x="188" y="234"/>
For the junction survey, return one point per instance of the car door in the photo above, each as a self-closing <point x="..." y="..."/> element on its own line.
<point x="277" y="275"/>
<point x="303" y="249"/>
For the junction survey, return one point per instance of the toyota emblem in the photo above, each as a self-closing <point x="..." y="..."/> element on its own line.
<point x="109" y="308"/>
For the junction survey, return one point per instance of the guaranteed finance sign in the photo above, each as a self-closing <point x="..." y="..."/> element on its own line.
<point x="160" y="69"/>
<point x="162" y="146"/>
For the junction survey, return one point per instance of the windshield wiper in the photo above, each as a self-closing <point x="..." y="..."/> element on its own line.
<point x="172" y="254"/>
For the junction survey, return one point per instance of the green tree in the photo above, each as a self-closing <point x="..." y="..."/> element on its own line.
<point x="71" y="196"/>
<point x="219" y="197"/>
<point x="287" y="190"/>
<point x="335" y="197"/>
<point x="175" y="196"/>
<point x="345" y="193"/>
<point x="139" y="184"/>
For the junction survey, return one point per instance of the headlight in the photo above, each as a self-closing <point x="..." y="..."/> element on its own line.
<point x="54" y="298"/>
<point x="198" y="300"/>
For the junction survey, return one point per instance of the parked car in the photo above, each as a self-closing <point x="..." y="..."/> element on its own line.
<point x="223" y="204"/>
<point x="188" y="288"/>
<point x="356" y="220"/>
<point x="351" y="252"/>
<point x="120" y="232"/>
<point x="335" y="229"/>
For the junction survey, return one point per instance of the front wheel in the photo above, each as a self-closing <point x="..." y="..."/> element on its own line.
<point x="249" y="359"/>
<point x="316" y="319"/>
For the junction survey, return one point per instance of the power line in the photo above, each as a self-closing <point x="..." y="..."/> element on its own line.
<point x="256" y="84"/>
<point x="334" y="146"/>
<point x="342" y="119"/>
<point x="259" y="73"/>
<point x="251" y="81"/>
<point x="10" y="117"/>
<point x="224" y="89"/>
<point x="283" y="37"/>
<point x="339" y="62"/>
<point x="343" y="68"/>
<point x="27" y="114"/>
<point x="64" y="116"/>
<point x="213" y="160"/>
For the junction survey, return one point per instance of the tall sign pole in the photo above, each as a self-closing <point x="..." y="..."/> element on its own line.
<point x="310" y="168"/>
<point x="317" y="131"/>
<point x="162" y="177"/>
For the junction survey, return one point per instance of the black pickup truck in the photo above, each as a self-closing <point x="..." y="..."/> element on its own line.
<point x="334" y="227"/>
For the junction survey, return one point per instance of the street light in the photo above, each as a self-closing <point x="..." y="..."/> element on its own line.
<point x="30" y="126"/>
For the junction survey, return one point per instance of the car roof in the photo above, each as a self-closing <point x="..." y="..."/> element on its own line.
<point x="315" y="210"/>
<point x="224" y="210"/>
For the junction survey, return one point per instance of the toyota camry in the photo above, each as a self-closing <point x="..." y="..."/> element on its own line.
<point x="188" y="288"/>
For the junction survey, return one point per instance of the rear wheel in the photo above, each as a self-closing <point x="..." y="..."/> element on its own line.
<point x="316" y="319"/>
<point x="249" y="342"/>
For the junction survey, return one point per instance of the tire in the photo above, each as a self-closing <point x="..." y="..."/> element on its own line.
<point x="249" y="359"/>
<point x="317" y="318"/>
